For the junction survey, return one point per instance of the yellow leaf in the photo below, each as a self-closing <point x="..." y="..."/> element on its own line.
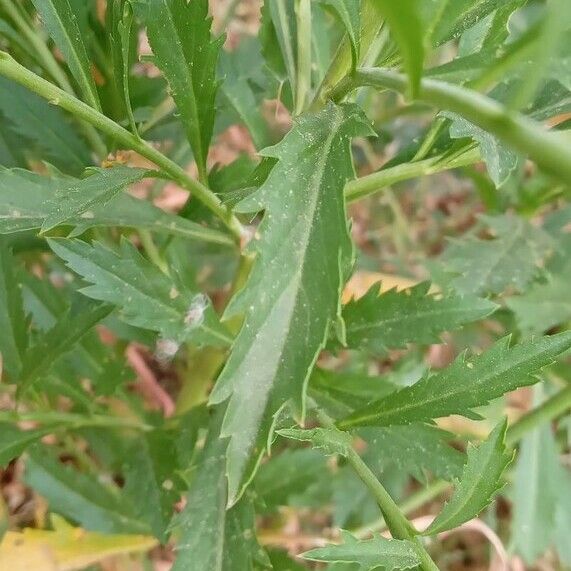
<point x="65" y="549"/>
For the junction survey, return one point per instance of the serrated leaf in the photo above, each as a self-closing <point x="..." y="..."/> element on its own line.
<point x="145" y="296"/>
<point x="179" y="34"/>
<point x="368" y="554"/>
<point x="392" y="319"/>
<point x="42" y="130"/>
<point x="26" y="198"/>
<point x="464" y="385"/>
<point x="405" y="24"/>
<point x="80" y="497"/>
<point x="500" y="160"/>
<point x="511" y="259"/>
<point x="74" y="198"/>
<point x="14" y="441"/>
<point x="330" y="440"/>
<point x="544" y="305"/>
<point x="13" y="321"/>
<point x="349" y="13"/>
<point x="292" y="296"/>
<point x="61" y="23"/>
<point x="480" y="482"/>
<point x="211" y="537"/>
<point x="413" y="449"/>
<point x="59" y="340"/>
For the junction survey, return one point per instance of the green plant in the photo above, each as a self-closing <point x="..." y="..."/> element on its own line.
<point x="238" y="295"/>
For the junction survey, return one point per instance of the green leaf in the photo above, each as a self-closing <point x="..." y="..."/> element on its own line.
<point x="464" y="385"/>
<point x="368" y="554"/>
<point x="13" y="321"/>
<point x="480" y="482"/>
<point x="406" y="27"/>
<point x="378" y="322"/>
<point x="61" y="23"/>
<point x="148" y="469"/>
<point x="80" y="497"/>
<point x="211" y="537"/>
<point x="75" y="198"/>
<point x="330" y="440"/>
<point x="280" y="17"/>
<point x="14" y="441"/>
<point x="236" y="69"/>
<point x="179" y="34"/>
<point x="292" y="295"/>
<point x="145" y="296"/>
<point x="413" y="449"/>
<point x="541" y="490"/>
<point x="511" y="259"/>
<point x="349" y="12"/>
<point x="26" y="200"/>
<point x="43" y="131"/>
<point x="500" y="160"/>
<point x="59" y="340"/>
<point x="544" y="305"/>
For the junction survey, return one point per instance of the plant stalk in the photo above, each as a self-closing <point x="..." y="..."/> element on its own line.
<point x="547" y="411"/>
<point x="374" y="182"/>
<point x="549" y="150"/>
<point x="303" y="82"/>
<point x="13" y="70"/>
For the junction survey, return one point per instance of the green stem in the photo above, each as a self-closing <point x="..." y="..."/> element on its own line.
<point x="67" y="421"/>
<point x="13" y="70"/>
<point x="374" y="182"/>
<point x="397" y="523"/>
<point x="546" y="412"/>
<point x="548" y="150"/>
<point x="303" y="83"/>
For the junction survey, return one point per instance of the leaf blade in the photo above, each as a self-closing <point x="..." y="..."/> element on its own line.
<point x="464" y="384"/>
<point x="479" y="483"/>
<point x="179" y="34"/>
<point x="289" y="289"/>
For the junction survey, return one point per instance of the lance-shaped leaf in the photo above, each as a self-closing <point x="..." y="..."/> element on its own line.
<point x="60" y="339"/>
<point x="145" y="296"/>
<point x="368" y="554"/>
<point x="349" y="12"/>
<point x="61" y="24"/>
<point x="179" y="34"/>
<point x="77" y="196"/>
<point x="26" y="200"/>
<point x="479" y="483"/>
<point x="395" y="318"/>
<point x="13" y="322"/>
<point x="292" y="296"/>
<point x="79" y="496"/>
<point x="404" y="21"/>
<point x="209" y="535"/>
<point x="465" y="384"/>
